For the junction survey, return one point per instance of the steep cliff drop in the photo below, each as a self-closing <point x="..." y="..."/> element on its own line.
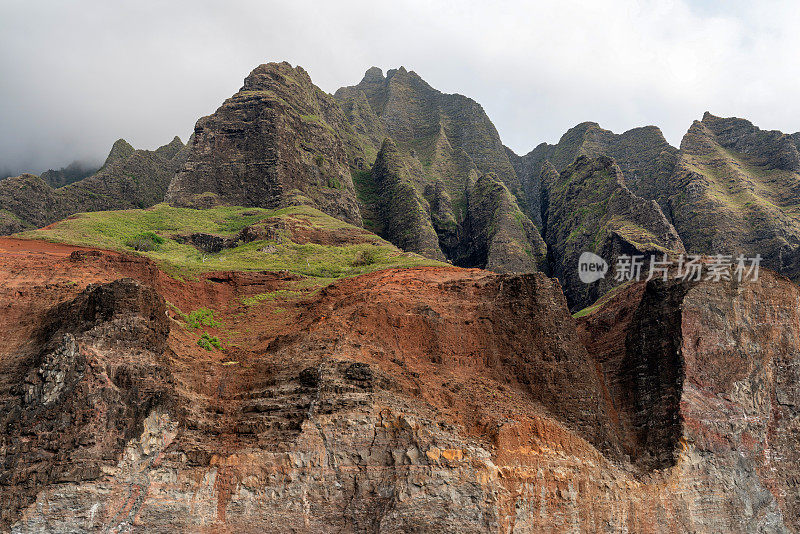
<point x="398" y="401"/>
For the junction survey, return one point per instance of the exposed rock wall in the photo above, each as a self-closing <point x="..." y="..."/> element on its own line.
<point x="83" y="387"/>
<point x="501" y="237"/>
<point x="450" y="144"/>
<point x="643" y="155"/>
<point x="279" y="141"/>
<point x="590" y="209"/>
<point x="404" y="213"/>
<point x="735" y="190"/>
<point x="717" y="365"/>
<point x="412" y="400"/>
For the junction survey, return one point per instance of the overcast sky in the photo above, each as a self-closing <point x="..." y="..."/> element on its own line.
<point x="75" y="76"/>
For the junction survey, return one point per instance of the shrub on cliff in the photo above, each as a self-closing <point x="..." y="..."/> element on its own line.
<point x="365" y="257"/>
<point x="145" y="242"/>
<point x="209" y="342"/>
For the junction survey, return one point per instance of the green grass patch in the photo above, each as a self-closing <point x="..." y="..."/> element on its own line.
<point x="114" y="229"/>
<point x="201" y="317"/>
<point x="197" y="318"/>
<point x="333" y="182"/>
<point x="279" y="294"/>
<point x="601" y="301"/>
<point x="145" y="242"/>
<point x="209" y="342"/>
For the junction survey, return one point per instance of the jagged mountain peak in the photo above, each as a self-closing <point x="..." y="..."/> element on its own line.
<point x="400" y="71"/>
<point x="172" y="148"/>
<point x="265" y="75"/>
<point x="643" y="154"/>
<point x="279" y="141"/>
<point x="417" y="115"/>
<point x="590" y="208"/>
<point x="121" y="149"/>
<point x="373" y="73"/>
<point x="770" y="148"/>
<point x="735" y="190"/>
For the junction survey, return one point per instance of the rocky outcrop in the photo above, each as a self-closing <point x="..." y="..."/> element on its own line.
<point x="419" y="216"/>
<point x="421" y="119"/>
<point x="643" y="155"/>
<point x="703" y="382"/>
<point x="405" y="214"/>
<point x="501" y="238"/>
<point x="735" y="190"/>
<point x="590" y="209"/>
<point x="120" y="150"/>
<point x="128" y="180"/>
<point x="447" y="142"/>
<point x="91" y="376"/>
<point x="730" y="189"/>
<point x="371" y="434"/>
<point x="279" y="141"/>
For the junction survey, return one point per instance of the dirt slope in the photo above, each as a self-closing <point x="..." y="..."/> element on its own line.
<point x="405" y="400"/>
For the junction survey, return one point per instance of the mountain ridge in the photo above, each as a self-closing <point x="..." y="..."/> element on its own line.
<point x="245" y="359"/>
<point x="282" y="141"/>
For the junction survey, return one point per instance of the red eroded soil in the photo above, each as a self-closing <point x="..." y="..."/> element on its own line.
<point x="430" y="331"/>
<point x="11" y="245"/>
<point x="37" y="275"/>
<point x="397" y="373"/>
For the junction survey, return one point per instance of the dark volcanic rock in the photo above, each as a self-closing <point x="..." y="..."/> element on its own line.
<point x="704" y="383"/>
<point x="590" y="209"/>
<point x="279" y="141"/>
<point x="501" y="237"/>
<point x="404" y="212"/>
<point x="448" y="142"/>
<point x="736" y="189"/>
<point x="420" y="119"/>
<point x="418" y="216"/>
<point x="643" y="155"/>
<point x="83" y="388"/>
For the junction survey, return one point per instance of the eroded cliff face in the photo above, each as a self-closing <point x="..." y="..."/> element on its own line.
<point x="735" y="190"/>
<point x="322" y="422"/>
<point x="702" y="379"/>
<point x="502" y="238"/>
<point x="403" y="213"/>
<point x="643" y="155"/>
<point x="588" y="207"/>
<point x="431" y="399"/>
<point x="79" y="388"/>
<point x="279" y="141"/>
<point x="453" y="154"/>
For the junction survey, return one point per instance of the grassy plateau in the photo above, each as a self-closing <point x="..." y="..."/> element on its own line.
<point x="162" y="226"/>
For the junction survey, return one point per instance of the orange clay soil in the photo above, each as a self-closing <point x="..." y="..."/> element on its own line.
<point x="389" y="319"/>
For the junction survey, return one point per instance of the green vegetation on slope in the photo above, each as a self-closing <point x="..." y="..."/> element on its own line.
<point x="599" y="303"/>
<point x="115" y="229"/>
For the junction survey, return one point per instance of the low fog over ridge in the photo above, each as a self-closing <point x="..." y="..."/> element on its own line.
<point x="79" y="76"/>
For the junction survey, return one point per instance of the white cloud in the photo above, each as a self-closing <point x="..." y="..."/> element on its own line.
<point x="78" y="75"/>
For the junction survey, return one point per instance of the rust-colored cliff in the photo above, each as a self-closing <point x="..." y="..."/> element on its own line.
<point x="406" y="400"/>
